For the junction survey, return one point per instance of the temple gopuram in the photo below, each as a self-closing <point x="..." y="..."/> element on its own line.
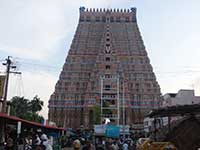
<point x="106" y="68"/>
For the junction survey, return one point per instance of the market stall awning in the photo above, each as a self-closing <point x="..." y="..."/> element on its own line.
<point x="14" y="118"/>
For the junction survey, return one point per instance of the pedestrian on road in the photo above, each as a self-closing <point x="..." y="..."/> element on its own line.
<point x="125" y="146"/>
<point x="77" y="145"/>
<point x="45" y="142"/>
<point x="10" y="144"/>
<point x="88" y="146"/>
<point x="115" y="146"/>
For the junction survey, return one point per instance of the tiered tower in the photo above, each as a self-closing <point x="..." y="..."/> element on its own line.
<point x="106" y="64"/>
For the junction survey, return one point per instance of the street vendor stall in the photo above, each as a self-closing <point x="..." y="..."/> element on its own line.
<point x="21" y="132"/>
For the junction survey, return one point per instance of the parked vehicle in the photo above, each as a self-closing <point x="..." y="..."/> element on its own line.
<point x="148" y="144"/>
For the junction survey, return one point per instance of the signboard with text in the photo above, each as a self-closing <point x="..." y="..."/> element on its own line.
<point x="124" y="129"/>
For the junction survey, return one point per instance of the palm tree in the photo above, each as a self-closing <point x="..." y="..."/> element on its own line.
<point x="26" y="109"/>
<point x="19" y="106"/>
<point x="36" y="104"/>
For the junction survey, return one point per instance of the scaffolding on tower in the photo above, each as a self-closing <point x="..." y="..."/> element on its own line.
<point x="110" y="98"/>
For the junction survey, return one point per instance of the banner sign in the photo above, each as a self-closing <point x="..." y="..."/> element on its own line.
<point x="138" y="126"/>
<point x="124" y="129"/>
<point x="112" y="131"/>
<point x="100" y="129"/>
<point x="2" y="82"/>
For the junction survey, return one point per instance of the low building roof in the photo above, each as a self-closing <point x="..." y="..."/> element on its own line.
<point x="179" y="110"/>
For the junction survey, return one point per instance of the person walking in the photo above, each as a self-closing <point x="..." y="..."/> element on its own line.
<point x="88" y="146"/>
<point x="45" y="142"/>
<point x="77" y="145"/>
<point x="125" y="146"/>
<point x="10" y="144"/>
<point x="115" y="146"/>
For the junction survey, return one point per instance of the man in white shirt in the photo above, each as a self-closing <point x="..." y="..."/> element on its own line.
<point x="125" y="146"/>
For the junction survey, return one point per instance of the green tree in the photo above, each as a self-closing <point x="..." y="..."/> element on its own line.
<point x="33" y="117"/>
<point x="19" y="106"/>
<point x="106" y="111"/>
<point x="36" y="104"/>
<point x="97" y="114"/>
<point x="26" y="109"/>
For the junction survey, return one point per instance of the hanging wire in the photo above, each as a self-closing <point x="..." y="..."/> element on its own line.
<point x="36" y="66"/>
<point x="31" y="63"/>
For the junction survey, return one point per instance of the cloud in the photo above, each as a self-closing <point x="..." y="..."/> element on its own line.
<point x="32" y="29"/>
<point x="35" y="29"/>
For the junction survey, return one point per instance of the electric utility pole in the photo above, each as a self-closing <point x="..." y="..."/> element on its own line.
<point x="9" y="65"/>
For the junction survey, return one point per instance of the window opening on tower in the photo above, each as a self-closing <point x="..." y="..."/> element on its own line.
<point x="107" y="66"/>
<point x="104" y="19"/>
<point x="81" y="19"/>
<point x="107" y="19"/>
<point x="127" y="19"/>
<point x="113" y="102"/>
<point x="107" y="76"/>
<point x="88" y="19"/>
<point x="118" y="19"/>
<point x="107" y="87"/>
<point x="107" y="58"/>
<point x="97" y="19"/>
<point x="107" y="45"/>
<point x="111" y="19"/>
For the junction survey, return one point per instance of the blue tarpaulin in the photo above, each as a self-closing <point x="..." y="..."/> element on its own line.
<point x="112" y="131"/>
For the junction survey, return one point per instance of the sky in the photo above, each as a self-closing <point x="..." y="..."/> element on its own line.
<point x="38" y="33"/>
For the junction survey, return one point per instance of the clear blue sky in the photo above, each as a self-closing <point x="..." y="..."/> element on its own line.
<point x="38" y="35"/>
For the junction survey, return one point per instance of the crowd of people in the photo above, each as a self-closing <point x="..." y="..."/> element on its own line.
<point x="42" y="143"/>
<point x="107" y="144"/>
<point x="29" y="143"/>
<point x="79" y="141"/>
<point x="116" y="144"/>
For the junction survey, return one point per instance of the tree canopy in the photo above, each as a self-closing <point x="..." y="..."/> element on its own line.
<point x="27" y="109"/>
